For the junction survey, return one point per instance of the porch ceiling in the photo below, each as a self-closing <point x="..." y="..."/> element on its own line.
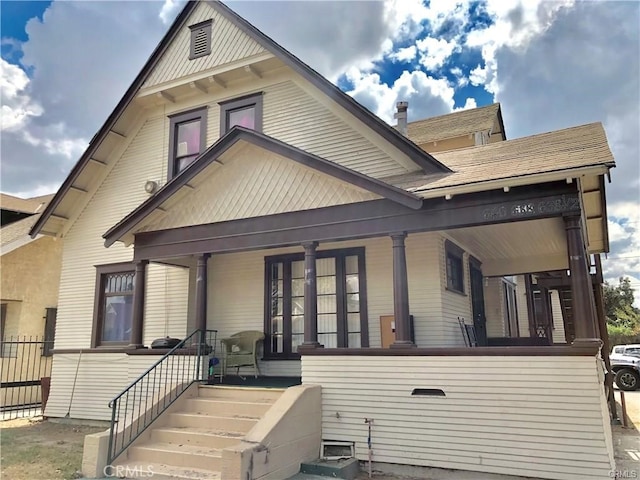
<point x="516" y="247"/>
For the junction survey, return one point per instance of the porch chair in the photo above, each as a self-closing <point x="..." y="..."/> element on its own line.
<point x="241" y="350"/>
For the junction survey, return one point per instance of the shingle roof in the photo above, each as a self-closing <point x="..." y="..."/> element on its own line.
<point x="16" y="230"/>
<point x="24" y="205"/>
<point x="557" y="151"/>
<point x="453" y="125"/>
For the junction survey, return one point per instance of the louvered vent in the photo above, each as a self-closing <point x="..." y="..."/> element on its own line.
<point x="200" y="39"/>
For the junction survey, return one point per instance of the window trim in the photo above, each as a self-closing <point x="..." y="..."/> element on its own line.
<point x="175" y="120"/>
<point x="453" y="250"/>
<point x="252" y="100"/>
<point x="206" y="25"/>
<point x="101" y="271"/>
<point x="360" y="252"/>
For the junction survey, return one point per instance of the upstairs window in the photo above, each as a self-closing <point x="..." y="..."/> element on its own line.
<point x="455" y="267"/>
<point x="187" y="139"/>
<point x="200" y="39"/>
<point x="244" y="112"/>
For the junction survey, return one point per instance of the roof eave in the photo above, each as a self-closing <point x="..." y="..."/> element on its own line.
<point x="114" y="116"/>
<point x="423" y="159"/>
<point x="509" y="182"/>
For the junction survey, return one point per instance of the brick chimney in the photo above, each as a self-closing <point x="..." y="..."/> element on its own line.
<point x="401" y="115"/>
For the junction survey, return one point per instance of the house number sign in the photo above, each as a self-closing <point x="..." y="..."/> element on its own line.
<point x="560" y="204"/>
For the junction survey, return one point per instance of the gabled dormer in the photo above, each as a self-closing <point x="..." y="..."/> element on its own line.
<point x="461" y="129"/>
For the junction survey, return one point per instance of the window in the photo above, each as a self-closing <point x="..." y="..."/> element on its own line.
<point x="342" y="315"/>
<point x="200" y="39"/>
<point x="113" y="311"/>
<point x="510" y="308"/>
<point x="245" y="112"/>
<point x="455" y="269"/>
<point x="187" y="139"/>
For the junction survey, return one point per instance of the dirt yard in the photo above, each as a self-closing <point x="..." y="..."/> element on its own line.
<point x="41" y="450"/>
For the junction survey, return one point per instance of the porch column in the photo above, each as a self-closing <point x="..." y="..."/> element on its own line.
<point x="581" y="288"/>
<point x="201" y="292"/>
<point x="400" y="293"/>
<point x="139" y="288"/>
<point x="310" y="297"/>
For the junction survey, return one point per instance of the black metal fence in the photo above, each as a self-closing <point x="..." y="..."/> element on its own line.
<point x="24" y="362"/>
<point x="133" y="410"/>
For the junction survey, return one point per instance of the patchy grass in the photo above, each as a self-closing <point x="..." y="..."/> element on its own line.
<point x="41" y="449"/>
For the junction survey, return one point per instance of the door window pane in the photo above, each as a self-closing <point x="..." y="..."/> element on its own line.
<point x="353" y="283"/>
<point x="351" y="264"/>
<point x="327" y="304"/>
<point x="353" y="302"/>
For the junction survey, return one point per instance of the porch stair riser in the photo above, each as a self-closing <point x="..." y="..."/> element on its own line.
<point x="187" y="442"/>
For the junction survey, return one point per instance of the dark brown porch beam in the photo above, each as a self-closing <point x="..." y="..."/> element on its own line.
<point x="360" y="220"/>
<point x="139" y="294"/>
<point x="310" y="298"/>
<point x="581" y="285"/>
<point x="401" y="293"/>
<point x="201" y="293"/>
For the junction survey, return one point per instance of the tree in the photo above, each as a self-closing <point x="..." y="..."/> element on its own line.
<point x="618" y="306"/>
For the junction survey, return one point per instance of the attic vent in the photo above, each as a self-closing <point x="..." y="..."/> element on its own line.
<point x="200" y="39"/>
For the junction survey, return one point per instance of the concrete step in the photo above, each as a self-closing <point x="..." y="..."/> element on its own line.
<point x="226" y="408"/>
<point x="240" y="394"/>
<point x="228" y="424"/>
<point x="177" y="455"/>
<point x="202" y="437"/>
<point x="161" y="471"/>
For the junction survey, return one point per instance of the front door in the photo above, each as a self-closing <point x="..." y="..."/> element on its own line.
<point x="477" y="304"/>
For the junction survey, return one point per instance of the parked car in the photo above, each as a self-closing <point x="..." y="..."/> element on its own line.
<point x="627" y="371"/>
<point x="632" y="349"/>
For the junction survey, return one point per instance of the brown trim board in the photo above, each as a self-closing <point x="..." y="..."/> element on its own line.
<point x="237" y="134"/>
<point x="360" y="220"/>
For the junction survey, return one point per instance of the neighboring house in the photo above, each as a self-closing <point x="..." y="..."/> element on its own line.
<point x="232" y="178"/>
<point x="29" y="283"/>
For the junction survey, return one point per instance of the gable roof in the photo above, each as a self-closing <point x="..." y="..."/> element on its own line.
<point x="23" y="205"/>
<point x="457" y="124"/>
<point x="423" y="159"/>
<point x="240" y="134"/>
<point x="557" y="152"/>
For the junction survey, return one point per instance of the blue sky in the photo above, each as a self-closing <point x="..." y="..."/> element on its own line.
<point x="551" y="64"/>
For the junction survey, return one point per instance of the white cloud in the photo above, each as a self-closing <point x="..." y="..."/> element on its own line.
<point x="469" y="103"/>
<point x="17" y="106"/>
<point x="513" y="28"/>
<point x="434" y="52"/>
<point x="170" y="9"/>
<point x="427" y="96"/>
<point x="404" y="54"/>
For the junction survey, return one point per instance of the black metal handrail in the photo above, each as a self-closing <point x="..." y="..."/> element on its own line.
<point x="138" y="405"/>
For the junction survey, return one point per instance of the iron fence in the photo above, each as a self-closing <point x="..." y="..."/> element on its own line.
<point x="25" y="361"/>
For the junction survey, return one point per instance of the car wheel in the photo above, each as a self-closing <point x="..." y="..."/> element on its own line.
<point x="627" y="379"/>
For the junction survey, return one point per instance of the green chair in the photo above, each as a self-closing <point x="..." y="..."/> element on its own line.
<point x="241" y="350"/>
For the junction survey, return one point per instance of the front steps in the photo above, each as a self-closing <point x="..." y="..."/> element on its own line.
<point x="187" y="443"/>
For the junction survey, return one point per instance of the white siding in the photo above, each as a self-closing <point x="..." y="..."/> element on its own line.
<point x="543" y="417"/>
<point x="295" y="117"/>
<point x="86" y="383"/>
<point x="253" y="183"/>
<point x="228" y="44"/>
<point x="495" y="307"/>
<point x="558" y="321"/>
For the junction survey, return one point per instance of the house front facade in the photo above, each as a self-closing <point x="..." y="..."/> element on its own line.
<point x="234" y="189"/>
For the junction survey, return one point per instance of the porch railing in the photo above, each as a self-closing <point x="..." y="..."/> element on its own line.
<point x="133" y="410"/>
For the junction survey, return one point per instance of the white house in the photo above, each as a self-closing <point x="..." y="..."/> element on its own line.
<point x="233" y="188"/>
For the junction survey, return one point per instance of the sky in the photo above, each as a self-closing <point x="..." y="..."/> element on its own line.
<point x="551" y="64"/>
